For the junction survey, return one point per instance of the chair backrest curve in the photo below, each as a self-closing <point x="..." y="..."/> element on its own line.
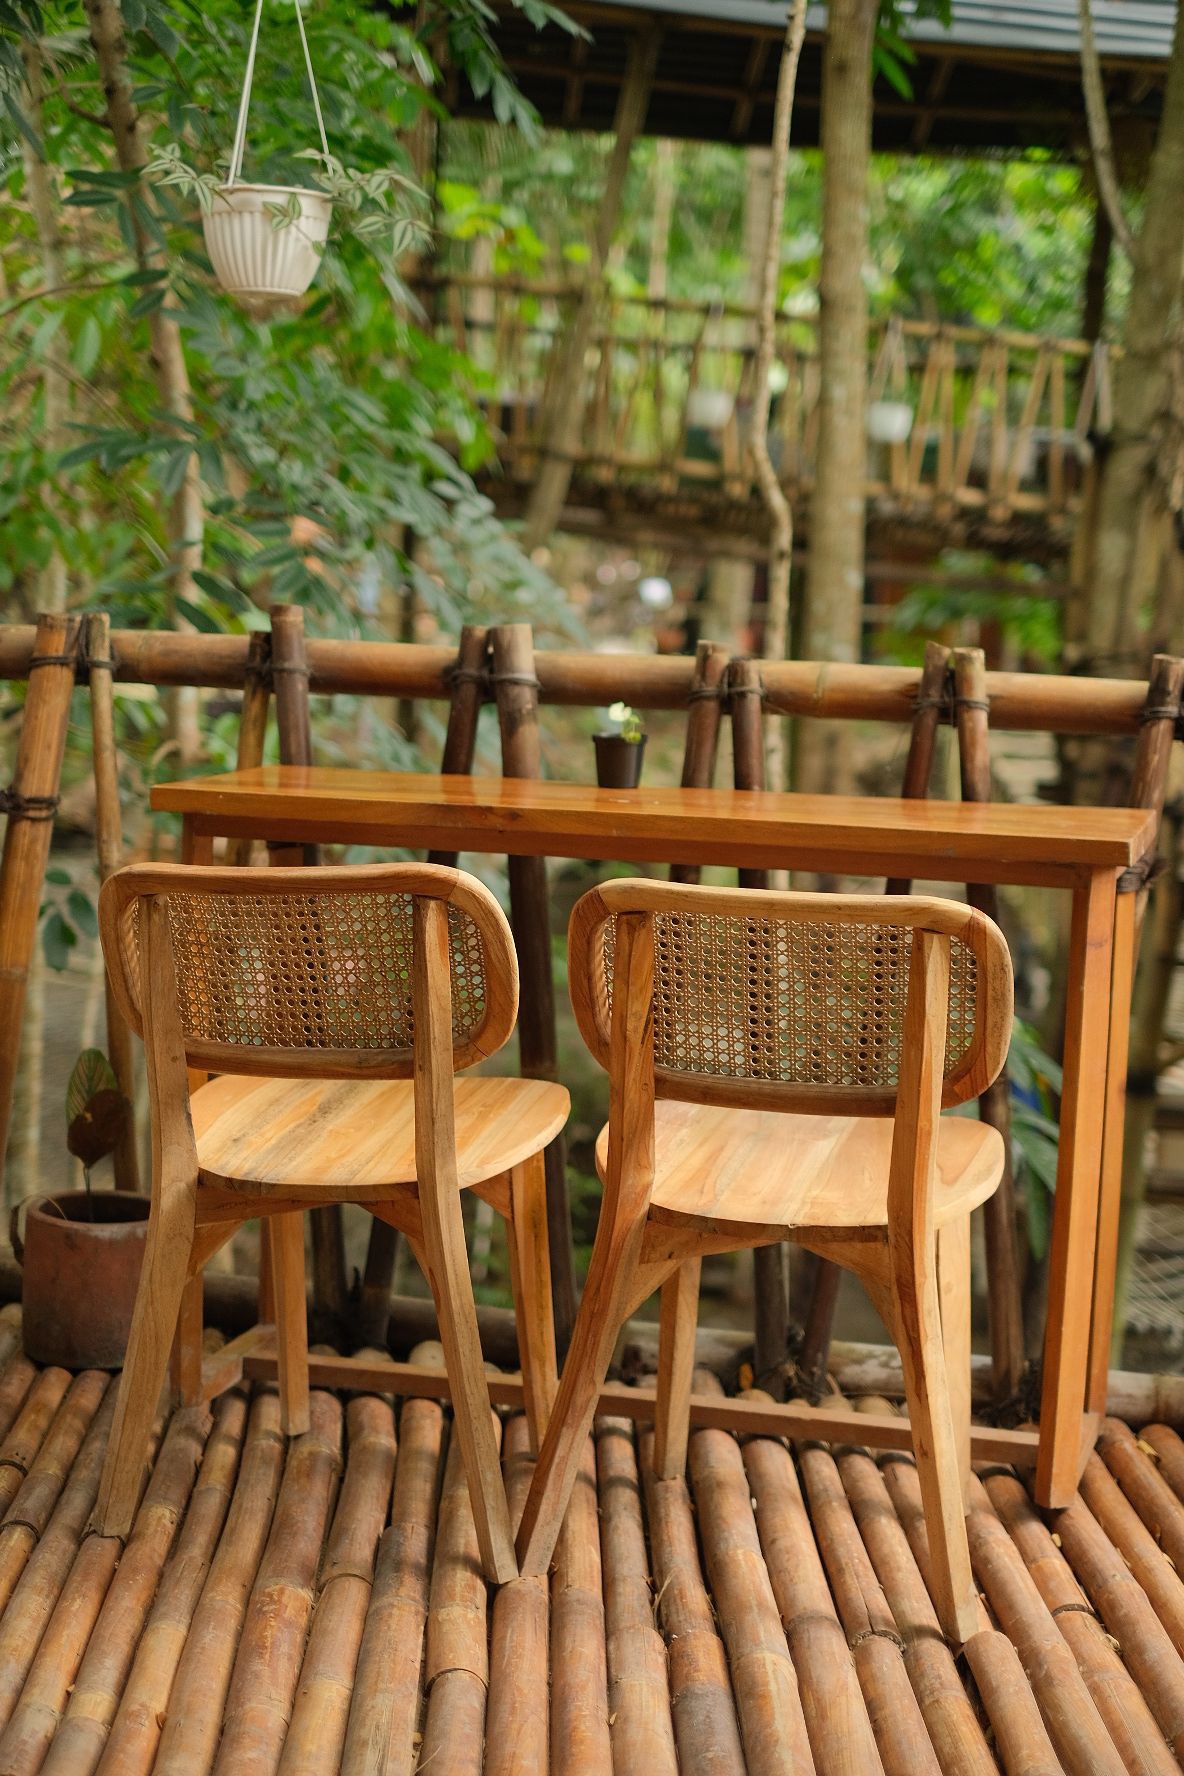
<point x="308" y="972"/>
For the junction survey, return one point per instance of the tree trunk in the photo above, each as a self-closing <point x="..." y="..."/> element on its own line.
<point x="185" y="523"/>
<point x="1127" y="492"/>
<point x="833" y="612"/>
<point x="43" y="207"/>
<point x="1097" y="273"/>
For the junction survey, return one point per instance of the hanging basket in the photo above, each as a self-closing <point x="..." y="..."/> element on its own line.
<point x="263" y="258"/>
<point x="265" y="267"/>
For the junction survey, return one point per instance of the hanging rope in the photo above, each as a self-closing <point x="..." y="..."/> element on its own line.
<point x="240" y="132"/>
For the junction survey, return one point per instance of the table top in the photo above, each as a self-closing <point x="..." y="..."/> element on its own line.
<point x="856" y="835"/>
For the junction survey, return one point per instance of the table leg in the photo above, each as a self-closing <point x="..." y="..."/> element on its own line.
<point x="1075" y="1220"/>
<point x="1126" y="930"/>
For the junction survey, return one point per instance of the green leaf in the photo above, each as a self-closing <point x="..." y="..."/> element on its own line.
<point x="57" y="940"/>
<point x="92" y="1073"/>
<point x="81" y="910"/>
<point x="86" y="346"/>
<point x="59" y="877"/>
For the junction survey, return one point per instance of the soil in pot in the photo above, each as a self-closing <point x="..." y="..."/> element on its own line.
<point x="81" y="1275"/>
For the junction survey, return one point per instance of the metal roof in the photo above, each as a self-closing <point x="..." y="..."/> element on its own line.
<point x="1138" y="30"/>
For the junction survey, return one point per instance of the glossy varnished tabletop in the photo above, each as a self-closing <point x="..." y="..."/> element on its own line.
<point x="858" y="835"/>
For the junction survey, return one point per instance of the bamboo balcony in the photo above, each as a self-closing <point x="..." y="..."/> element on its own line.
<point x="322" y="1609"/>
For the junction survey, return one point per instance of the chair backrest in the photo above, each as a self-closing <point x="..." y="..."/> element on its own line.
<point x="309" y="972"/>
<point x="793" y="1002"/>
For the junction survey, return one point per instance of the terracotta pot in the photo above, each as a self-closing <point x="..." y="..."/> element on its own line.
<point x="80" y="1276"/>
<point x="618" y="761"/>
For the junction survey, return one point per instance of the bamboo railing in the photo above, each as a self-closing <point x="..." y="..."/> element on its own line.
<point x="994" y="423"/>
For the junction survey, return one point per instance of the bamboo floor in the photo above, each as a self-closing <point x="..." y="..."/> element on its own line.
<point x="319" y="1608"/>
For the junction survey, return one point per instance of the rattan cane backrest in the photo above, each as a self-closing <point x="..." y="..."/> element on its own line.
<point x="792" y="1001"/>
<point x="308" y="972"/>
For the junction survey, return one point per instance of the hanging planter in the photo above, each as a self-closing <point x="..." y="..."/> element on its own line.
<point x="265" y="241"/>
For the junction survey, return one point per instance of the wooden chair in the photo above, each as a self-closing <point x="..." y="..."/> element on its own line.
<point x="777" y="1066"/>
<point x="336" y="1005"/>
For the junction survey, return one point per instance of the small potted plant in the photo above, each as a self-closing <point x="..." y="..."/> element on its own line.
<point x="83" y="1249"/>
<point x="620" y="749"/>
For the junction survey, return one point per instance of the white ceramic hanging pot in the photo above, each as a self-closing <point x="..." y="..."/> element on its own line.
<point x="261" y="256"/>
<point x="263" y="261"/>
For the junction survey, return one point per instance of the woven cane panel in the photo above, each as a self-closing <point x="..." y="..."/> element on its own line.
<point x="325" y="971"/>
<point x="813" y="1004"/>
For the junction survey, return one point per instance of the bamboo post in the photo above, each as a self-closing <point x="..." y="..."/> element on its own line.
<point x="467" y="681"/>
<point x="1005" y="1312"/>
<point x="769" y="1280"/>
<point x="704" y="712"/>
<point x="289" y="668"/>
<point x="932" y="699"/>
<point x="252" y="724"/>
<point x="109" y="845"/>
<point x="516" y="689"/>
<point x="31" y="804"/>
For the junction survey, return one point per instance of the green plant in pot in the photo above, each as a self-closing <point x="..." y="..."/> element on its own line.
<point x="620" y="749"/>
<point x="82" y="1249"/>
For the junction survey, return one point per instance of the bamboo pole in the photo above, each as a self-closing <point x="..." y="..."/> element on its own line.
<point x="1168" y="1450"/>
<point x="29" y="1431"/>
<point x="1145" y="1487"/>
<point x="1005" y="1313"/>
<point x="267" y="1664"/>
<point x="517" y="1727"/>
<point x="380" y="1738"/>
<point x="31" y="1508"/>
<point x="190" y="1730"/>
<point x="109" y="847"/>
<point x="135" y="1731"/>
<point x="639" y="1702"/>
<point x="252" y="724"/>
<point x="316" y="1735"/>
<point x="289" y="669"/>
<point x="932" y="699"/>
<point x="95" y="1693"/>
<point x="1140" y="1550"/>
<point x="704" y="711"/>
<point x="1074" y="1725"/>
<point x="950" y="1720"/>
<point x="580" y="1742"/>
<point x="868" y="1622"/>
<point x="764" y="1681"/>
<point x="1129" y="1721"/>
<point x="516" y="690"/>
<point x="706" y="1730"/>
<point x="31" y="804"/>
<point x="824" y="690"/>
<point x="18" y="1377"/>
<point x="456" y="1661"/>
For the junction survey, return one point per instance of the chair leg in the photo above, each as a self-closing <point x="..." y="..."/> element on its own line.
<point x="154" y="1322"/>
<point x="603" y="1310"/>
<point x="530" y="1279"/>
<point x="285" y="1239"/>
<point x="953" y="1281"/>
<point x="676" y="1365"/>
<point x="917" y="1316"/>
<point x="185" y="1363"/>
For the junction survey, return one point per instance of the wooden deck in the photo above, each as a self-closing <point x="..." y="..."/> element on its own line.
<point x="320" y="1609"/>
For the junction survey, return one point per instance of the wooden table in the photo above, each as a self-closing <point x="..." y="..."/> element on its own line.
<point x="1084" y="851"/>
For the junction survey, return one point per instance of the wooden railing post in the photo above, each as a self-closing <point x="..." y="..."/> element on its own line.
<point x="109" y="847"/>
<point x="252" y="724"/>
<point x="31" y="804"/>
<point x="289" y="666"/>
<point x="1005" y="1310"/>
<point x="932" y="704"/>
<point x="704" y="713"/>
<point x="468" y="680"/>
<point x="517" y="694"/>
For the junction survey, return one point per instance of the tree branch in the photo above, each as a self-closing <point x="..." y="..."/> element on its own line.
<point x="1100" y="143"/>
<point x="780" y="512"/>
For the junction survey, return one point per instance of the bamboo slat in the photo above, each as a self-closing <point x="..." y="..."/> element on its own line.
<point x="103" y="1672"/>
<point x="17" y="1378"/>
<point x="316" y="1735"/>
<point x="517" y="1727"/>
<point x="384" y="1717"/>
<point x="1168" y="1451"/>
<point x="580" y="1742"/>
<point x="190" y="1730"/>
<point x="267" y="1665"/>
<point x="456" y="1664"/>
<point x="639" y="1708"/>
<point x="706" y="1729"/>
<point x="29" y="1431"/>
<point x="135" y="1731"/>
<point x="1141" y="1553"/>
<point x="1145" y="1487"/>
<point x="30" y="1510"/>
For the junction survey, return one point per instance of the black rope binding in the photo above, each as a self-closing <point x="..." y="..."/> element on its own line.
<point x="28" y="807"/>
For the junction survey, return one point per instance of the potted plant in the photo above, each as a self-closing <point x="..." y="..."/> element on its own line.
<point x="620" y="749"/>
<point x="82" y="1249"/>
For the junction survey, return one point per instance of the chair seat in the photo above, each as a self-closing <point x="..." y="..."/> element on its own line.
<point x="306" y="1136"/>
<point x="768" y="1169"/>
